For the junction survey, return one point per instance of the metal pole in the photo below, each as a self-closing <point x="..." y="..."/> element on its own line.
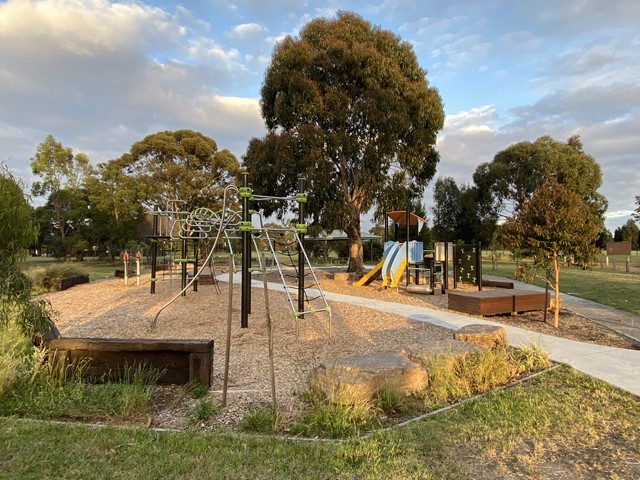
<point x="479" y="267"/>
<point x="225" y="382"/>
<point x="386" y="227"/>
<point x="154" y="250"/>
<point x="300" y="249"/>
<point x="406" y="245"/>
<point x="195" y="264"/>
<point x="246" y="252"/>
<point x="183" y="260"/>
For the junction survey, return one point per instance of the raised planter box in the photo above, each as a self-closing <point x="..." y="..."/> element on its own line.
<point x="69" y="282"/>
<point x="183" y="361"/>
<point x="495" y="302"/>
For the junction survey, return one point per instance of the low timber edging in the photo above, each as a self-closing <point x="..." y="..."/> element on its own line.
<point x="181" y="361"/>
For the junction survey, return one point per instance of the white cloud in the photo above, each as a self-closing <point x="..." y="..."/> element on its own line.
<point x="82" y="28"/>
<point x="247" y="30"/>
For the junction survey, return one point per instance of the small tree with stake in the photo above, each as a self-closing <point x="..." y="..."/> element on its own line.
<point x="554" y="223"/>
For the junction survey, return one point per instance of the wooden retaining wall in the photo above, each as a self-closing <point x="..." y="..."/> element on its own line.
<point x="183" y="361"/>
<point x="495" y="302"/>
<point x="69" y="282"/>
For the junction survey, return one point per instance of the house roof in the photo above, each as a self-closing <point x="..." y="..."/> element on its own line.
<point x="340" y="235"/>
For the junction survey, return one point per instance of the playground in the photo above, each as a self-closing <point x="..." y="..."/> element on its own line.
<point x="282" y="336"/>
<point x="109" y="309"/>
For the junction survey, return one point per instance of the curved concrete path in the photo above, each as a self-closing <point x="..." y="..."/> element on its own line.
<point x="617" y="366"/>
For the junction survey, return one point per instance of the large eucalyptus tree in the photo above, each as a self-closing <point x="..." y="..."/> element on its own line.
<point x="348" y="107"/>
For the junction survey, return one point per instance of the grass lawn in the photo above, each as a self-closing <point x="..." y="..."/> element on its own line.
<point x="97" y="269"/>
<point x="616" y="289"/>
<point x="561" y="424"/>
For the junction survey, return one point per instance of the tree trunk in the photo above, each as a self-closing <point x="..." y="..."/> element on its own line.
<point x="556" y="288"/>
<point x="356" y="262"/>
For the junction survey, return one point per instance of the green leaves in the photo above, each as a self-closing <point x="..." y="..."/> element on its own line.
<point x="346" y="105"/>
<point x="183" y="165"/>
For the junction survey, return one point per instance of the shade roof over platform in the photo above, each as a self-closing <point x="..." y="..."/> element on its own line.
<point x="400" y="217"/>
<point x="340" y="235"/>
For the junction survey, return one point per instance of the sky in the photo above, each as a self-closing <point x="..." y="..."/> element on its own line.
<point x="101" y="75"/>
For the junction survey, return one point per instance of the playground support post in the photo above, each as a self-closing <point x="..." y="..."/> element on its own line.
<point x="406" y="243"/>
<point x="154" y="250"/>
<point x="195" y="264"/>
<point x="246" y="256"/>
<point x="138" y="256"/>
<point x="183" y="262"/>
<point x="300" y="247"/>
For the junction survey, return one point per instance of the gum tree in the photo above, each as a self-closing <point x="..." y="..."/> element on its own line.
<point x="180" y="165"/>
<point x="58" y="169"/>
<point x="347" y="107"/>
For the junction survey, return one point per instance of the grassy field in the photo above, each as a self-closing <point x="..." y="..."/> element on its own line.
<point x="560" y="424"/>
<point x="617" y="289"/>
<point x="95" y="268"/>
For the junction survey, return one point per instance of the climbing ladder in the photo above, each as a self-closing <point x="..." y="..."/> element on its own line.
<point x="314" y="304"/>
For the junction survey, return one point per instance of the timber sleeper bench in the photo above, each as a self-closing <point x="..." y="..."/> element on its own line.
<point x="182" y="361"/>
<point x="494" y="302"/>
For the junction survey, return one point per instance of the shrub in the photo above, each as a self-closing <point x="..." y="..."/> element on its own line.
<point x="453" y="377"/>
<point x="46" y="279"/>
<point x="204" y="410"/>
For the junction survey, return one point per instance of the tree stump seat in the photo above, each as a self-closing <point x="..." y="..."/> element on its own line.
<point x="358" y="378"/>
<point x="486" y="336"/>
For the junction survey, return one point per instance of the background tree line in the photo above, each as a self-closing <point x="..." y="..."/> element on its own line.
<point x="103" y="207"/>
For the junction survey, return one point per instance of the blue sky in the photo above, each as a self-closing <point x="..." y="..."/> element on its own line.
<point x="101" y="75"/>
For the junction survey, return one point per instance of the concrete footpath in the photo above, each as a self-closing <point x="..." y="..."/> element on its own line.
<point x="617" y="366"/>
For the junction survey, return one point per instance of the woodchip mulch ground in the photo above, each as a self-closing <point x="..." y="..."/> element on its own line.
<point x="109" y="309"/>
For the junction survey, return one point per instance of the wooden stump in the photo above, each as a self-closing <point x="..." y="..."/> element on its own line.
<point x="345" y="277"/>
<point x="486" y="336"/>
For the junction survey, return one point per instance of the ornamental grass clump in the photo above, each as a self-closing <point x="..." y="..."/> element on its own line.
<point x="453" y="377"/>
